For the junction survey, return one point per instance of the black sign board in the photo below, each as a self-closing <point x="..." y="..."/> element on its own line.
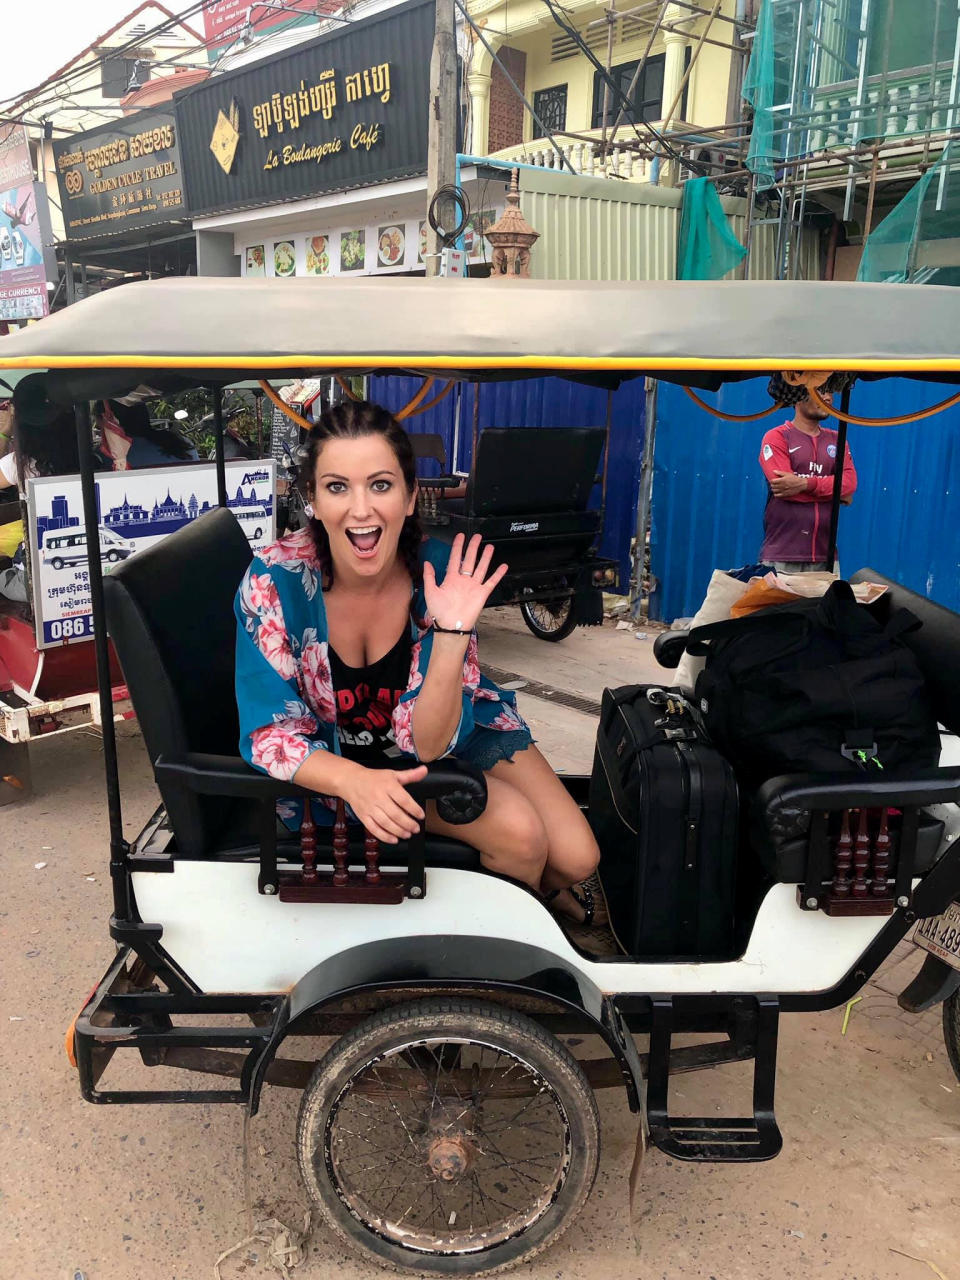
<point x="345" y="110"/>
<point x="120" y="177"/>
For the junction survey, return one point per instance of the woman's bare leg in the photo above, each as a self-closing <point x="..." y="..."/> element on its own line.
<point x="531" y="829"/>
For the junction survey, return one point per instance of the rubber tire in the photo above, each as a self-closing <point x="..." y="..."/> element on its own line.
<point x="568" y="624"/>
<point x="453" y="1017"/>
<point x="113" y="556"/>
<point x="951" y="1030"/>
<point x="56" y="562"/>
<point x="257" y="533"/>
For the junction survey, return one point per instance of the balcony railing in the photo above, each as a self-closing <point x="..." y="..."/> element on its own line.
<point x="904" y="103"/>
<point x="586" y="158"/>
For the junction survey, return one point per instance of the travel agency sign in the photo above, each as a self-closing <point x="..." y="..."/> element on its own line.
<point x="348" y="109"/>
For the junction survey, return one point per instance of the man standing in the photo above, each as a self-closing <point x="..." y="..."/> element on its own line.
<point x="799" y="459"/>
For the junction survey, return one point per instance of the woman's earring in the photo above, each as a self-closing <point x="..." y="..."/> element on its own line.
<point x="308" y="510"/>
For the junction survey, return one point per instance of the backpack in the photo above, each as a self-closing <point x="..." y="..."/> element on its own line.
<point x="818" y="686"/>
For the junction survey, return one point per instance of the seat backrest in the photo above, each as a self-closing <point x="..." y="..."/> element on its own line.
<point x="533" y="470"/>
<point x="429" y="444"/>
<point x="170" y="616"/>
<point x="936" y="644"/>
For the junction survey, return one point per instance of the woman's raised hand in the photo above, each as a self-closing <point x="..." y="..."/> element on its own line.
<point x="456" y="603"/>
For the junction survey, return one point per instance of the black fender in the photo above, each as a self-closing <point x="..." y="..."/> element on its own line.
<point x="441" y="962"/>
<point x="936" y="982"/>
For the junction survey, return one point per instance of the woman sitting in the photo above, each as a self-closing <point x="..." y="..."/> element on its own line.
<point x="356" y="648"/>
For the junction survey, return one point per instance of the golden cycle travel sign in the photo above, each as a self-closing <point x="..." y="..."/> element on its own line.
<point x="345" y="110"/>
<point x="120" y="177"/>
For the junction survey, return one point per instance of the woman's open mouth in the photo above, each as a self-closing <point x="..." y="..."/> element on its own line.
<point x="364" y="540"/>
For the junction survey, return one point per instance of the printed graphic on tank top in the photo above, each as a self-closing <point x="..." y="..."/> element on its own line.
<point x="366" y="697"/>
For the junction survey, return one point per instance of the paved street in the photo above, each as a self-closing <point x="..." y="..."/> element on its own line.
<point x="871" y="1120"/>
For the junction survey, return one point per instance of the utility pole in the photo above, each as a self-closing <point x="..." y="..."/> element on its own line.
<point x="442" y="128"/>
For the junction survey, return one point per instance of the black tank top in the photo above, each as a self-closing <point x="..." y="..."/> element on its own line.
<point x="366" y="697"/>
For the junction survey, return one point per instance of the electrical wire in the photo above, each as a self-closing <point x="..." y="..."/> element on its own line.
<point x="513" y="84"/>
<point x="615" y="88"/>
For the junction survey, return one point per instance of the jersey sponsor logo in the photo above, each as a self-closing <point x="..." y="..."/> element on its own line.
<point x="767" y="452"/>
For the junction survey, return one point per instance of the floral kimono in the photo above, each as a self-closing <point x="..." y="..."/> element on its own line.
<point x="285" y="693"/>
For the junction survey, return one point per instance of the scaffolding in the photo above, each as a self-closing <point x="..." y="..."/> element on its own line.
<point x="854" y="101"/>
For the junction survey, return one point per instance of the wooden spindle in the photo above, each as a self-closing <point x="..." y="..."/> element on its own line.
<point x="371" y="854"/>
<point x="881" y="856"/>
<point x="308" y="846"/>
<point x="341" y="847"/>
<point x="861" y="857"/>
<point x="843" y="858"/>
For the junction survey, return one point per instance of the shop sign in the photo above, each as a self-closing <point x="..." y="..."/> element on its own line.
<point x="345" y="110"/>
<point x="224" y="20"/>
<point x="24" y="231"/>
<point x="136" y="509"/>
<point x="123" y="176"/>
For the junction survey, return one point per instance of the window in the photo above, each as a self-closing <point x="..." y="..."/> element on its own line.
<point x="646" y="98"/>
<point x="116" y="74"/>
<point x="550" y="106"/>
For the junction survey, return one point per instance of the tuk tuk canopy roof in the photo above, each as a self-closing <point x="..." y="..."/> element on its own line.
<point x="187" y="331"/>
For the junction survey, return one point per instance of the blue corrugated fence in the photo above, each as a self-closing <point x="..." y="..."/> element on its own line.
<point x="709" y="492"/>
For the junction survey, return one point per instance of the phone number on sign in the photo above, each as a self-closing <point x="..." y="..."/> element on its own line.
<point x="69" y="628"/>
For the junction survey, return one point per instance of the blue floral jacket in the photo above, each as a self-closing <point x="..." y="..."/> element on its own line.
<point x="285" y="693"/>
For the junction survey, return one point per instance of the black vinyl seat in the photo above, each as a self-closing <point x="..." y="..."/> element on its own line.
<point x="170" y="616"/>
<point x="529" y="492"/>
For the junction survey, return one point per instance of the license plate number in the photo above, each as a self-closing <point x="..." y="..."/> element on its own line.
<point x="940" y="935"/>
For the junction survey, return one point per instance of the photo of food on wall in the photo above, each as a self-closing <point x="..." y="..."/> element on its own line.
<point x="318" y="256"/>
<point x="353" y="250"/>
<point x="284" y="258"/>
<point x="391" y="243"/>
<point x="256" y="260"/>
<point x="422" y="248"/>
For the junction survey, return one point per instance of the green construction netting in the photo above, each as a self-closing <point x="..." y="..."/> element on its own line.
<point x="804" y="84"/>
<point x="918" y="242"/>
<point x="706" y="248"/>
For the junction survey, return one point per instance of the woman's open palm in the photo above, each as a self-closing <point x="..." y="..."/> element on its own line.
<point x="456" y="603"/>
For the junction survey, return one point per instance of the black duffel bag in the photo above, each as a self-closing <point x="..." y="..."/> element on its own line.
<point x="818" y="686"/>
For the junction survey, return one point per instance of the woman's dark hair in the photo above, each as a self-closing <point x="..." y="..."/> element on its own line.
<point x="51" y="445"/>
<point x="135" y="420"/>
<point x="351" y="421"/>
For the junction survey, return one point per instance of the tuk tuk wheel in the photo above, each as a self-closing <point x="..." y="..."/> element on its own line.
<point x="448" y="1137"/>
<point x="951" y="1030"/>
<point x="550" y="619"/>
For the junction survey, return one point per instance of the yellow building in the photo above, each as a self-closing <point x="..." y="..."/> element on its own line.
<point x="679" y="67"/>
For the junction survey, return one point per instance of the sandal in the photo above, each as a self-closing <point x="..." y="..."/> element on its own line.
<point x="582" y="896"/>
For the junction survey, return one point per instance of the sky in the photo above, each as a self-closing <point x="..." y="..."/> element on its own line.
<point x="38" y="38"/>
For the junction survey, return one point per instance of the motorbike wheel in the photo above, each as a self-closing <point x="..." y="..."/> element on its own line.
<point x="448" y="1137"/>
<point x="550" y="619"/>
<point x="951" y="1030"/>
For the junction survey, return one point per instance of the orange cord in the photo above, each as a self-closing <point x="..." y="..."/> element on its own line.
<point x="411" y="406"/>
<point x="899" y="421"/>
<point x="344" y="385"/>
<point x="282" y="405"/>
<point x="438" y="397"/>
<point x="730" y="417"/>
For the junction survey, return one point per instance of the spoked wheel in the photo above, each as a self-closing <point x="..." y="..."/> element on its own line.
<point x="550" y="619"/>
<point x="448" y="1137"/>
<point x="951" y="1030"/>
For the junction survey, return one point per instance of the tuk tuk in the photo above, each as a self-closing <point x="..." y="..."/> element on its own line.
<point x="448" y="1130"/>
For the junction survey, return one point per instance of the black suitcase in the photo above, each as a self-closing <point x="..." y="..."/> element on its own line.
<point x="664" y="810"/>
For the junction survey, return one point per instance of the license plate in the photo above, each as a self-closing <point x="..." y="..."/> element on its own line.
<point x="941" y="935"/>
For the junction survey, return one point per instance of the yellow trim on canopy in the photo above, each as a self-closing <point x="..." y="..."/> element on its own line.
<point x="583" y="364"/>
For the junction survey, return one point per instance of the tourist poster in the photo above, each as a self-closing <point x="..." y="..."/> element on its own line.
<point x="136" y="509"/>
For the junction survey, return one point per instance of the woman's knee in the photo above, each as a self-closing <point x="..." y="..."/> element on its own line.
<point x="576" y="856"/>
<point x="519" y="841"/>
